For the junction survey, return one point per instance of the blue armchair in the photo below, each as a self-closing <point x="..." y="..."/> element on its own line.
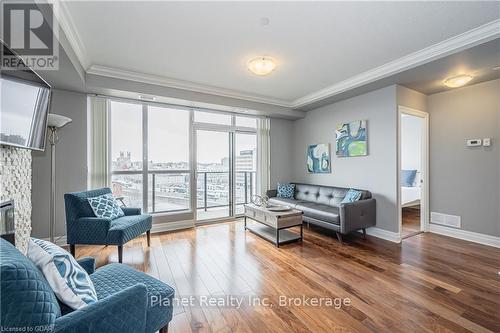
<point x="128" y="300"/>
<point x="82" y="227"/>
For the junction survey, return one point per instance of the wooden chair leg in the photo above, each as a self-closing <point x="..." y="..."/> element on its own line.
<point x="364" y="233"/>
<point x="164" y="329"/>
<point x="120" y="253"/>
<point x="148" y="236"/>
<point x="339" y="237"/>
<point x="72" y="249"/>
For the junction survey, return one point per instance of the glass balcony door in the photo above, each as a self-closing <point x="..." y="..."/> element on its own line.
<point x="213" y="175"/>
<point x="245" y="167"/>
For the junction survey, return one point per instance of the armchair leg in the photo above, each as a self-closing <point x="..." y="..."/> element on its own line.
<point x="364" y="233"/>
<point x="164" y="329"/>
<point x="120" y="253"/>
<point x="72" y="250"/>
<point x="148" y="236"/>
<point x="339" y="237"/>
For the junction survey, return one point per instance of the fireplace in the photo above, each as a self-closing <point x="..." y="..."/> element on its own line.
<point x="7" y="223"/>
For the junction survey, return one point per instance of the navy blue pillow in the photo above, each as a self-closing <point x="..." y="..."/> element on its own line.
<point x="408" y="177"/>
<point x="286" y="191"/>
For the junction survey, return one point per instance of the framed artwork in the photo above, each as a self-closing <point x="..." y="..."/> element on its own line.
<point x="318" y="158"/>
<point x="351" y="139"/>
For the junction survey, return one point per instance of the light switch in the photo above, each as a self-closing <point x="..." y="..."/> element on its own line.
<point x="486" y="142"/>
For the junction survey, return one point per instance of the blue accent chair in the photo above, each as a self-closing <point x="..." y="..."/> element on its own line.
<point x="128" y="300"/>
<point x="83" y="227"/>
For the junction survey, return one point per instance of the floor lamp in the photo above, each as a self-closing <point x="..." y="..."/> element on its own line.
<point x="54" y="123"/>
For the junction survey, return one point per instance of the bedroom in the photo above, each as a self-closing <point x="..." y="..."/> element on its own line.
<point x="412" y="160"/>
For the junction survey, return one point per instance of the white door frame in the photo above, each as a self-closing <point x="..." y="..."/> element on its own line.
<point x="424" y="172"/>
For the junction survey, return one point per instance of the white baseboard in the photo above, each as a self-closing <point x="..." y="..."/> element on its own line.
<point x="170" y="226"/>
<point x="465" y="235"/>
<point x="384" y="234"/>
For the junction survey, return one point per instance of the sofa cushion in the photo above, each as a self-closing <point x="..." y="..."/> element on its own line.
<point x="327" y="195"/>
<point x="69" y="281"/>
<point x="283" y="201"/>
<point x="27" y="299"/>
<point x="320" y="212"/>
<point x="112" y="278"/>
<point x="128" y="227"/>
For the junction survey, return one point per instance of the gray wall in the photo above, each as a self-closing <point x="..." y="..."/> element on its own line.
<point x="71" y="162"/>
<point x="375" y="172"/>
<point x="281" y="151"/>
<point x="465" y="181"/>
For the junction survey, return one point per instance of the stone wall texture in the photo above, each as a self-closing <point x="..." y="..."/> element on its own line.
<point x="15" y="174"/>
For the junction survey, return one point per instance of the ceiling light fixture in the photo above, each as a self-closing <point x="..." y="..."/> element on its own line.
<point x="262" y="65"/>
<point x="457" y="81"/>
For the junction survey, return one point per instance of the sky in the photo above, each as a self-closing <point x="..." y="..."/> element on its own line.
<point x="168" y="135"/>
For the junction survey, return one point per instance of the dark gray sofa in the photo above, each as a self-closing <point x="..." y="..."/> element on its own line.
<point x="322" y="206"/>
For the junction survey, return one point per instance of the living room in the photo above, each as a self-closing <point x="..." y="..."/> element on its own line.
<point x="255" y="177"/>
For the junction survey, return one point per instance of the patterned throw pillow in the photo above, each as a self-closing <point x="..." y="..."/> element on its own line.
<point x="69" y="281"/>
<point x="286" y="191"/>
<point x="105" y="206"/>
<point x="351" y="196"/>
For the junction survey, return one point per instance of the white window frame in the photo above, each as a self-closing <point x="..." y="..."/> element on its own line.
<point x="192" y="170"/>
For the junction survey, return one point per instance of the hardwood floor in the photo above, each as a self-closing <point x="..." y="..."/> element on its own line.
<point x="411" y="222"/>
<point x="429" y="283"/>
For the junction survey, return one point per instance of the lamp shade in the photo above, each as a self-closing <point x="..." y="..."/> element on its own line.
<point x="57" y="121"/>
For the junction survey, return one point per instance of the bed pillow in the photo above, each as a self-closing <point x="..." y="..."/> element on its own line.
<point x="105" y="206"/>
<point x="286" y="191"/>
<point x="351" y="196"/>
<point x="69" y="281"/>
<point x="408" y="178"/>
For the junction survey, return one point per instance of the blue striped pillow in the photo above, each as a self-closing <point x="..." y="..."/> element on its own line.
<point x="69" y="281"/>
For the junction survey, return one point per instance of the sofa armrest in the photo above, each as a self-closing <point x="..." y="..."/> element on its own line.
<point x="131" y="211"/>
<point x="358" y="215"/>
<point x="88" y="264"/>
<point x="88" y="230"/>
<point x="124" y="311"/>
<point x="272" y="193"/>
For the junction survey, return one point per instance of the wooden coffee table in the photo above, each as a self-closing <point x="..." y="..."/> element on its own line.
<point x="272" y="225"/>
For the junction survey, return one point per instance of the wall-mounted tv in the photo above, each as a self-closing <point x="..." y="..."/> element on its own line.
<point x="24" y="106"/>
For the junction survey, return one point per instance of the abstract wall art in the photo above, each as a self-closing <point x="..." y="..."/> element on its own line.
<point x="318" y="158"/>
<point x="351" y="139"/>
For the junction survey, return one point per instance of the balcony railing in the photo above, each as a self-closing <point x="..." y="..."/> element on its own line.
<point x="213" y="188"/>
<point x="170" y="191"/>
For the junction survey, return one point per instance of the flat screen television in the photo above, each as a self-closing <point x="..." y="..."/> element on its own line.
<point x="24" y="106"/>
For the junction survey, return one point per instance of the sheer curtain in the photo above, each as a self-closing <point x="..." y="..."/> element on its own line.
<point x="263" y="155"/>
<point x="97" y="144"/>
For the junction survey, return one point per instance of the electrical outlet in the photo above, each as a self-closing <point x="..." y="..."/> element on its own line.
<point x="486" y="142"/>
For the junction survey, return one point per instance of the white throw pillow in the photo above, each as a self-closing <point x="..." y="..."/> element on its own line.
<point x="69" y="281"/>
<point x="105" y="206"/>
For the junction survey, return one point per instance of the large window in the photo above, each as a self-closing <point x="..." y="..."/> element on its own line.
<point x="150" y="155"/>
<point x="168" y="159"/>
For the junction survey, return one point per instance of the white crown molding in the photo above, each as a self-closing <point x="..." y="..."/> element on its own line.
<point x="457" y="43"/>
<point x="465" y="235"/>
<point x="181" y="84"/>
<point x="384" y="234"/>
<point x="67" y="24"/>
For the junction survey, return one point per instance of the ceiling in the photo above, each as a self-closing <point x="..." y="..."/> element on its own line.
<point x="204" y="46"/>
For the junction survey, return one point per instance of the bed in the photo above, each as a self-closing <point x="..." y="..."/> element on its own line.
<point x="410" y="196"/>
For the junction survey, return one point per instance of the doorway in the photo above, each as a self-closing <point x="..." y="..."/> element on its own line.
<point x="413" y="172"/>
<point x="213" y="175"/>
